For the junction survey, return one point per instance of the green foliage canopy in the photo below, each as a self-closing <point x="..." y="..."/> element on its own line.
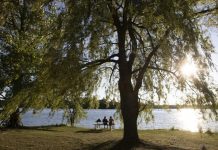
<point x="141" y="43"/>
<point x="35" y="72"/>
<point x="158" y="36"/>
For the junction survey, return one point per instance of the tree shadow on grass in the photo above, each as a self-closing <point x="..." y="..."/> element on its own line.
<point x="3" y="129"/>
<point x="38" y="128"/>
<point x="142" y="145"/>
<point x="41" y="128"/>
<point x="91" y="131"/>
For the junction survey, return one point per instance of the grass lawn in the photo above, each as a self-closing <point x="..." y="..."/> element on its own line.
<point x="68" y="138"/>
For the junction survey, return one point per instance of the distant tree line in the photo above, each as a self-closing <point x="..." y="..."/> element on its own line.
<point x="104" y="104"/>
<point x="94" y="103"/>
<point x="88" y="103"/>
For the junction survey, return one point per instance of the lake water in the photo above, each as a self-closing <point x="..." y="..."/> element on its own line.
<point x="183" y="119"/>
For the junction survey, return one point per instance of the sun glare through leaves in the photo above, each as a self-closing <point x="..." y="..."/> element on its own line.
<point x="189" y="68"/>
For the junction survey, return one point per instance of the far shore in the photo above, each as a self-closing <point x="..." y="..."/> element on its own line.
<point x="69" y="138"/>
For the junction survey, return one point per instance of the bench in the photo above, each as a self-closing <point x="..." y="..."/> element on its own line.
<point x="98" y="126"/>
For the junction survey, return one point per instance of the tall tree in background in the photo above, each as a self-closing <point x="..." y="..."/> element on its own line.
<point x="146" y="42"/>
<point x="35" y="72"/>
<point x="21" y="44"/>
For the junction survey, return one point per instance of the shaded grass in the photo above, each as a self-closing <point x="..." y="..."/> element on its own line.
<point x="67" y="138"/>
<point x="120" y="145"/>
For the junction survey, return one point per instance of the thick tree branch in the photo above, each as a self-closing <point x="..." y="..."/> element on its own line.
<point x="157" y="68"/>
<point x="148" y="59"/>
<point x="134" y="45"/>
<point x="121" y="31"/>
<point x="101" y="61"/>
<point x="125" y="12"/>
<point x="119" y="5"/>
<point x="112" y="73"/>
<point x="114" y="14"/>
<point x="140" y="39"/>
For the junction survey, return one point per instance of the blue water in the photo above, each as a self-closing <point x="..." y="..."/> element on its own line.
<point x="183" y="119"/>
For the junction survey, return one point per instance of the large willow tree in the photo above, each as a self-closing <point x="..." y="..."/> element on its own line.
<point x="34" y="70"/>
<point x="21" y="46"/>
<point x="142" y="42"/>
<point x="145" y="43"/>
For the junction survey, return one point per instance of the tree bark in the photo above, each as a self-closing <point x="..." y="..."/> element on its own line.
<point x="129" y="109"/>
<point x="14" y="120"/>
<point x="130" y="115"/>
<point x="128" y="97"/>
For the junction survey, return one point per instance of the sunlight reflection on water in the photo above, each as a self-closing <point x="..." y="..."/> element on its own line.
<point x="190" y="120"/>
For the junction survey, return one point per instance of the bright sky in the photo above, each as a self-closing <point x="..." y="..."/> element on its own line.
<point x="172" y="97"/>
<point x="214" y="37"/>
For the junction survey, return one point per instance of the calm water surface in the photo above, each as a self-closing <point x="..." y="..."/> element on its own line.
<point x="183" y="119"/>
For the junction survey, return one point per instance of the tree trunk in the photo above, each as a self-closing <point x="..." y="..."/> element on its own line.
<point x="128" y="97"/>
<point x="129" y="109"/>
<point x="130" y="116"/>
<point x="14" y="120"/>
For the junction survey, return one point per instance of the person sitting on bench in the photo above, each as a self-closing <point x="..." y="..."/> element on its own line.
<point x="111" y="123"/>
<point x="98" y="121"/>
<point x="105" y="121"/>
